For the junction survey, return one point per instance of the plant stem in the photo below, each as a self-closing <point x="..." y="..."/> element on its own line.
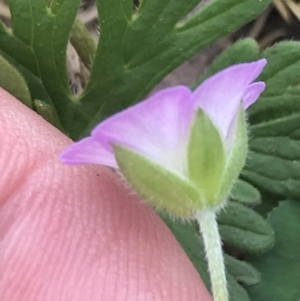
<point x="83" y="43"/>
<point x="214" y="254"/>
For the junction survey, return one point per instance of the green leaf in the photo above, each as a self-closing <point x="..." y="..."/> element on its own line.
<point x="280" y="267"/>
<point x="244" y="229"/>
<point x="22" y="21"/>
<point x="13" y="82"/>
<point x="283" y="70"/>
<point x="242" y="271"/>
<point x="160" y="187"/>
<point x="245" y="193"/>
<point x="274" y="160"/>
<point x="143" y="48"/>
<point x="37" y="89"/>
<point x="15" y="49"/>
<point x="236" y="291"/>
<point x="37" y="48"/>
<point x="135" y="52"/>
<point x="206" y="157"/>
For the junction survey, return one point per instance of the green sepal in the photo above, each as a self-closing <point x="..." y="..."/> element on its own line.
<point x="206" y="157"/>
<point x="160" y="187"/>
<point x="13" y="82"/>
<point x="236" y="158"/>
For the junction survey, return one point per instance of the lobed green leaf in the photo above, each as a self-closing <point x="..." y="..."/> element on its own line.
<point x="274" y="160"/>
<point x="244" y="229"/>
<point x="243" y="272"/>
<point x="245" y="193"/>
<point x="280" y="267"/>
<point x="36" y="46"/>
<point x="135" y="53"/>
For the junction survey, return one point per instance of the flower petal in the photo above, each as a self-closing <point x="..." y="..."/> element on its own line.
<point x="156" y="128"/>
<point x="252" y="93"/>
<point x="220" y="95"/>
<point x="88" y="150"/>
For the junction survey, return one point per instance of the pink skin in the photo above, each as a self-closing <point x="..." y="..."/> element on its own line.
<point x="71" y="233"/>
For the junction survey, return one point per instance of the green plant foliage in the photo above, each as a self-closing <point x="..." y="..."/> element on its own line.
<point x="280" y="267"/>
<point x="245" y="193"/>
<point x="143" y="48"/>
<point x="36" y="46"/>
<point x="274" y="160"/>
<point x="244" y="229"/>
<point x="236" y="291"/>
<point x="242" y="271"/>
<point x="12" y="81"/>
<point x="136" y="50"/>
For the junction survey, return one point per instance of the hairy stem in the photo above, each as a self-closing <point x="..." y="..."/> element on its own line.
<point x="214" y="254"/>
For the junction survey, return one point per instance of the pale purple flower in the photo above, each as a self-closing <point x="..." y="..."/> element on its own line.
<point x="158" y="128"/>
<point x="157" y="145"/>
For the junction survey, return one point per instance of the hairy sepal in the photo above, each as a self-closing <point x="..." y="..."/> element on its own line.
<point x="160" y="187"/>
<point x="206" y="156"/>
<point x="236" y="158"/>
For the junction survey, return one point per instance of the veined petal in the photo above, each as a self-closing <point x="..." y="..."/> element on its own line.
<point x="252" y="93"/>
<point x="88" y="150"/>
<point x="220" y="95"/>
<point x="156" y="128"/>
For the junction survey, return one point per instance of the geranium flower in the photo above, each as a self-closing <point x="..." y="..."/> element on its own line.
<point x="180" y="150"/>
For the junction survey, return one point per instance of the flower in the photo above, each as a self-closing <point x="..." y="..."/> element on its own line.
<point x="180" y="150"/>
